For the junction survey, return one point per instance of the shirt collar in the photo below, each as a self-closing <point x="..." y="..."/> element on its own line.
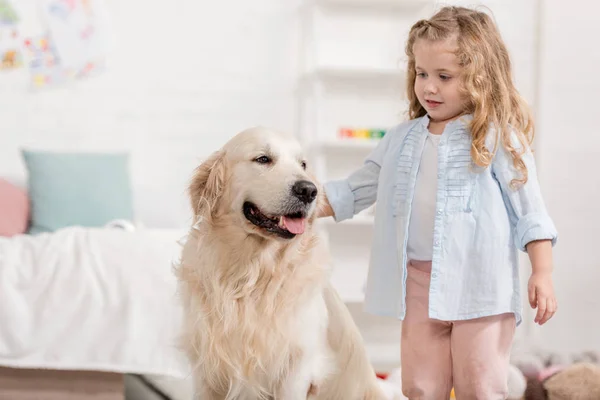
<point x="460" y="122"/>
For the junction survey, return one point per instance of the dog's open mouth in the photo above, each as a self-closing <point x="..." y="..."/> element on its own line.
<point x="286" y="226"/>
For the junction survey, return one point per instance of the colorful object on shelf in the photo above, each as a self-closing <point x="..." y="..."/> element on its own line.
<point x="360" y="133"/>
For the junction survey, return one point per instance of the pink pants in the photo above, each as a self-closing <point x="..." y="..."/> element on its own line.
<point x="472" y="355"/>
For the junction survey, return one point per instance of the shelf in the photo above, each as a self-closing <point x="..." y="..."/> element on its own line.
<point x="350" y="291"/>
<point x="358" y="220"/>
<point x="384" y="356"/>
<point x="354" y="74"/>
<point x="348" y="294"/>
<point x="347" y="144"/>
<point x="349" y="280"/>
<point x="375" y="5"/>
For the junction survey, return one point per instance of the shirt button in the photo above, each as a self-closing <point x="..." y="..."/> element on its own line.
<point x="439" y="212"/>
<point x="439" y="175"/>
<point x="437" y="242"/>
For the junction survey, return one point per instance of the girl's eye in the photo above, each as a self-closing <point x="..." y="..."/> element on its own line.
<point x="421" y="74"/>
<point x="263" y="160"/>
<point x="303" y="164"/>
<point x="444" y="77"/>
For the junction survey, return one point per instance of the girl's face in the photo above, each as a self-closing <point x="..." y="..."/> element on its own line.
<point x="438" y="79"/>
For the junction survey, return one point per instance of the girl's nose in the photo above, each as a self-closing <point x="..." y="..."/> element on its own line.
<point x="430" y="88"/>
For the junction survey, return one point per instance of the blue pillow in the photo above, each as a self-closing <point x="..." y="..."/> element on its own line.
<point x="84" y="189"/>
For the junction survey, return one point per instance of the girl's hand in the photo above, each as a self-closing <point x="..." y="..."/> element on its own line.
<point x="323" y="207"/>
<point x="541" y="295"/>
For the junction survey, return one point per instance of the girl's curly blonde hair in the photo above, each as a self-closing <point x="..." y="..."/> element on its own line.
<point x="487" y="82"/>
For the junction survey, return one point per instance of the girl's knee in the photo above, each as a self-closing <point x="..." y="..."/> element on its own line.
<point x="482" y="389"/>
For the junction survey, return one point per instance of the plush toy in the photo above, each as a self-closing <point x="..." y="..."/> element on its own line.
<point x="516" y="383"/>
<point x="530" y="364"/>
<point x="395" y="379"/>
<point x="391" y="390"/>
<point x="579" y="381"/>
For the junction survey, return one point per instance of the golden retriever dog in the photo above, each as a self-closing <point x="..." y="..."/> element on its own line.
<point x="261" y="320"/>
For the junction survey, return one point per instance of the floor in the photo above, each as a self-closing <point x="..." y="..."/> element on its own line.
<point x="136" y="388"/>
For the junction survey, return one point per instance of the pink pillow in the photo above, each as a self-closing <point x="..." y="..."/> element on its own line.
<point x="14" y="209"/>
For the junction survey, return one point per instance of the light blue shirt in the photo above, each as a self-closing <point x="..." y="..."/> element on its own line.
<point x="480" y="222"/>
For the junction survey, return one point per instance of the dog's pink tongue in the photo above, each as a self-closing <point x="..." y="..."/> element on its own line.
<point x="294" y="225"/>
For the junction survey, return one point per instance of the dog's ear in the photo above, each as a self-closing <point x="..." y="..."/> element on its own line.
<point x="207" y="185"/>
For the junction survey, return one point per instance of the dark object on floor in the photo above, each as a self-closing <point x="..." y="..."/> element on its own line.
<point x="535" y="390"/>
<point x="138" y="388"/>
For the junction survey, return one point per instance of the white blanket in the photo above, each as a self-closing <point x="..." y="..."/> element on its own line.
<point x="91" y="299"/>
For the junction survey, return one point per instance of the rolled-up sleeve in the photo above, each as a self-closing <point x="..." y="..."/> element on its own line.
<point x="358" y="191"/>
<point x="524" y="203"/>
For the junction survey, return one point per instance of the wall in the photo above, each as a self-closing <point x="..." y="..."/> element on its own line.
<point x="568" y="149"/>
<point x="184" y="77"/>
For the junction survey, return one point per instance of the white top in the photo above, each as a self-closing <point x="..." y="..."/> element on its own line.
<point x="420" y="228"/>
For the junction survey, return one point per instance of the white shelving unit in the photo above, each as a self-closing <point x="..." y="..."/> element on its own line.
<point x="355" y="75"/>
<point x="360" y="220"/>
<point x="384" y="6"/>
<point x="354" y="145"/>
<point x="352" y="76"/>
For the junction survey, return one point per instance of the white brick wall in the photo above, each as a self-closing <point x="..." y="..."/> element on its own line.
<point x="568" y="151"/>
<point x="185" y="76"/>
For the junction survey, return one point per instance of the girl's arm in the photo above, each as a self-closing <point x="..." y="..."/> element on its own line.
<point x="535" y="231"/>
<point x="344" y="198"/>
<point x="540" y="256"/>
<point x="525" y="205"/>
<point x="324" y="208"/>
<point x="540" y="287"/>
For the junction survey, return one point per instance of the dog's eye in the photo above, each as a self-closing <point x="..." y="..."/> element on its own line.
<point x="303" y="164"/>
<point x="263" y="160"/>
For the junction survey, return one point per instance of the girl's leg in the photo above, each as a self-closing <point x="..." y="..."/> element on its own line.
<point x="426" y="362"/>
<point x="480" y="356"/>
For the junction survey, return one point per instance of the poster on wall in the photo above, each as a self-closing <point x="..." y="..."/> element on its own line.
<point x="73" y="45"/>
<point x="54" y="41"/>
<point x="11" y="43"/>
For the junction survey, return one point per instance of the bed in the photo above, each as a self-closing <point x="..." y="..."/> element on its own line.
<point x="82" y="307"/>
<point x="91" y="313"/>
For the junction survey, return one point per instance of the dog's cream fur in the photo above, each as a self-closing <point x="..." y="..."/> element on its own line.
<point x="261" y="320"/>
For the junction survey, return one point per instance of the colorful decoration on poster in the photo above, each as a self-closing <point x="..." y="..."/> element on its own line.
<point x="360" y="133"/>
<point x="58" y="41"/>
<point x="74" y="45"/>
<point x="8" y="14"/>
<point x="11" y="55"/>
<point x="46" y="65"/>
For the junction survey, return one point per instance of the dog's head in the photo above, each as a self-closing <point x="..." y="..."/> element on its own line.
<point x="258" y="182"/>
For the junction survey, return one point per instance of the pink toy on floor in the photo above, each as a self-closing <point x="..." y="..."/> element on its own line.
<point x="549" y="371"/>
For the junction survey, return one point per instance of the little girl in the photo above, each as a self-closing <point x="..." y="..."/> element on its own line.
<point x="457" y="196"/>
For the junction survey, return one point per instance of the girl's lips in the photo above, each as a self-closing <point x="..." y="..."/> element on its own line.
<point x="432" y="104"/>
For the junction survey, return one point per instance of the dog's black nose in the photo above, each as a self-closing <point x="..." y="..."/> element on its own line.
<point x="305" y="191"/>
